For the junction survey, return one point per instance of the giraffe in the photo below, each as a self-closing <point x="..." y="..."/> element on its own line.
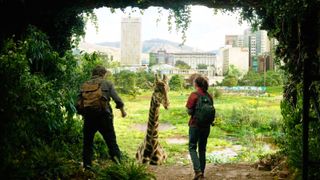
<point x="150" y="151"/>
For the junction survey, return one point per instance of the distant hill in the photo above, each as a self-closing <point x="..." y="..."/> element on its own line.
<point x="89" y="48"/>
<point x="214" y="51"/>
<point x="154" y="45"/>
<point x="110" y="44"/>
<point x="111" y="51"/>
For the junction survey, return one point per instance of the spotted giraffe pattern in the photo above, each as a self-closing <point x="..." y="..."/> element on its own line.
<point x="150" y="151"/>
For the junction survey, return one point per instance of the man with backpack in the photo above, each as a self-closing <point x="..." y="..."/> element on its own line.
<point x="94" y="105"/>
<point x="201" y="110"/>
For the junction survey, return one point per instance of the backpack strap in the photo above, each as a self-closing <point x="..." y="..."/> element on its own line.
<point x="205" y="94"/>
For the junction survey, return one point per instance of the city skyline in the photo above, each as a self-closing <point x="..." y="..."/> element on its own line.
<point x="206" y="31"/>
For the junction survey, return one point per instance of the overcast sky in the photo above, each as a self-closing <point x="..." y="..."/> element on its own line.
<point x="206" y="31"/>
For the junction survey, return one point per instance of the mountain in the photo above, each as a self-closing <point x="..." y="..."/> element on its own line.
<point x="110" y="44"/>
<point x="154" y="45"/>
<point x="111" y="51"/>
<point x="89" y="48"/>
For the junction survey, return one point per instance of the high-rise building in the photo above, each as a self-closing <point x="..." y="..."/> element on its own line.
<point x="258" y="42"/>
<point x="259" y="45"/>
<point x="231" y="40"/>
<point x="234" y="40"/>
<point x="235" y="56"/>
<point x="263" y="42"/>
<point x="131" y="41"/>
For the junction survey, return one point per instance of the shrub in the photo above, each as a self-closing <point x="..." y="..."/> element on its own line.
<point x="125" y="82"/>
<point x="127" y="169"/>
<point x="217" y="93"/>
<point x="144" y="79"/>
<point x="37" y="91"/>
<point x="230" y="80"/>
<point x="176" y="82"/>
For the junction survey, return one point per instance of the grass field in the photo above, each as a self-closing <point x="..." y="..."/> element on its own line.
<point x="245" y="129"/>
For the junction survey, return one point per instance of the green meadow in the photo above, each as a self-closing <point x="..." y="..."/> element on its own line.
<point x="246" y="127"/>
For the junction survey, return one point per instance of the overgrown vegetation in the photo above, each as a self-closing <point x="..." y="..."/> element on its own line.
<point x="43" y="140"/>
<point x="38" y="132"/>
<point x="33" y="93"/>
<point x="182" y="65"/>
<point x="243" y="122"/>
<point x="176" y="82"/>
<point x="270" y="78"/>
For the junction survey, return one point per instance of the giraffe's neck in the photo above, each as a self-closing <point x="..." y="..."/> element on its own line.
<point x="150" y="150"/>
<point x="153" y="123"/>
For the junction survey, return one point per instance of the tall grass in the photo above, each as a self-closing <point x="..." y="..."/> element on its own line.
<point x="241" y="120"/>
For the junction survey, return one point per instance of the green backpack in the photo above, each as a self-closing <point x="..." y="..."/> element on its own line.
<point x="204" y="111"/>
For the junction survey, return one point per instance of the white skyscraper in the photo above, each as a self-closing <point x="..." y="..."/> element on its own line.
<point x="131" y="41"/>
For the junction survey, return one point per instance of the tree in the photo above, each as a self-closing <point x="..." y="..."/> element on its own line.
<point x="232" y="76"/>
<point x="182" y="65"/>
<point x="37" y="109"/>
<point x="152" y="59"/>
<point x="125" y="82"/>
<point x="202" y="66"/>
<point x="176" y="82"/>
<point x="251" y="78"/>
<point x="144" y="79"/>
<point x="274" y="78"/>
<point x="233" y="71"/>
<point x="293" y="23"/>
<point x="229" y="80"/>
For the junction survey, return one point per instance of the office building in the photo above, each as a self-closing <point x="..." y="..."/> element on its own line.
<point x="131" y="42"/>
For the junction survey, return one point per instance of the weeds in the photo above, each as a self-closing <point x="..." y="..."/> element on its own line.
<point x="127" y="169"/>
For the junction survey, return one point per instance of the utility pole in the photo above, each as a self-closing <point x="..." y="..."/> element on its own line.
<point x="250" y="59"/>
<point x="265" y="69"/>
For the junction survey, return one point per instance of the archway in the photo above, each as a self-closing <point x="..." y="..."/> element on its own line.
<point x="294" y="24"/>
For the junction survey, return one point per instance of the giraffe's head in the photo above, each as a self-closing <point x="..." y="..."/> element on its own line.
<point x="161" y="89"/>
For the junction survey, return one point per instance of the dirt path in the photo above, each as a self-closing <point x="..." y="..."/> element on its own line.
<point x="213" y="172"/>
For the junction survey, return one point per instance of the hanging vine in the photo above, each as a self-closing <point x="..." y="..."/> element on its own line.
<point x="294" y="23"/>
<point x="182" y="20"/>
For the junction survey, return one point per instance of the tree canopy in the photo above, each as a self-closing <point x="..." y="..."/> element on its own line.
<point x="295" y="24"/>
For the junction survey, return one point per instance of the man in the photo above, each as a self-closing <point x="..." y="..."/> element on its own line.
<point x="101" y="119"/>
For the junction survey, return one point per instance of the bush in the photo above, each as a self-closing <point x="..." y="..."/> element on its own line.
<point x="176" y="82"/>
<point x="125" y="82"/>
<point x="144" y="79"/>
<point x="37" y="109"/>
<point x="126" y="170"/>
<point x="217" y="93"/>
<point x="292" y="144"/>
<point x="229" y="80"/>
<point x="252" y="78"/>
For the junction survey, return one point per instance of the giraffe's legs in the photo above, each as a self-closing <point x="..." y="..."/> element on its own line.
<point x="151" y="155"/>
<point x="159" y="156"/>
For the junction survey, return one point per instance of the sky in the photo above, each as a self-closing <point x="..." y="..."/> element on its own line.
<point x="206" y="31"/>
